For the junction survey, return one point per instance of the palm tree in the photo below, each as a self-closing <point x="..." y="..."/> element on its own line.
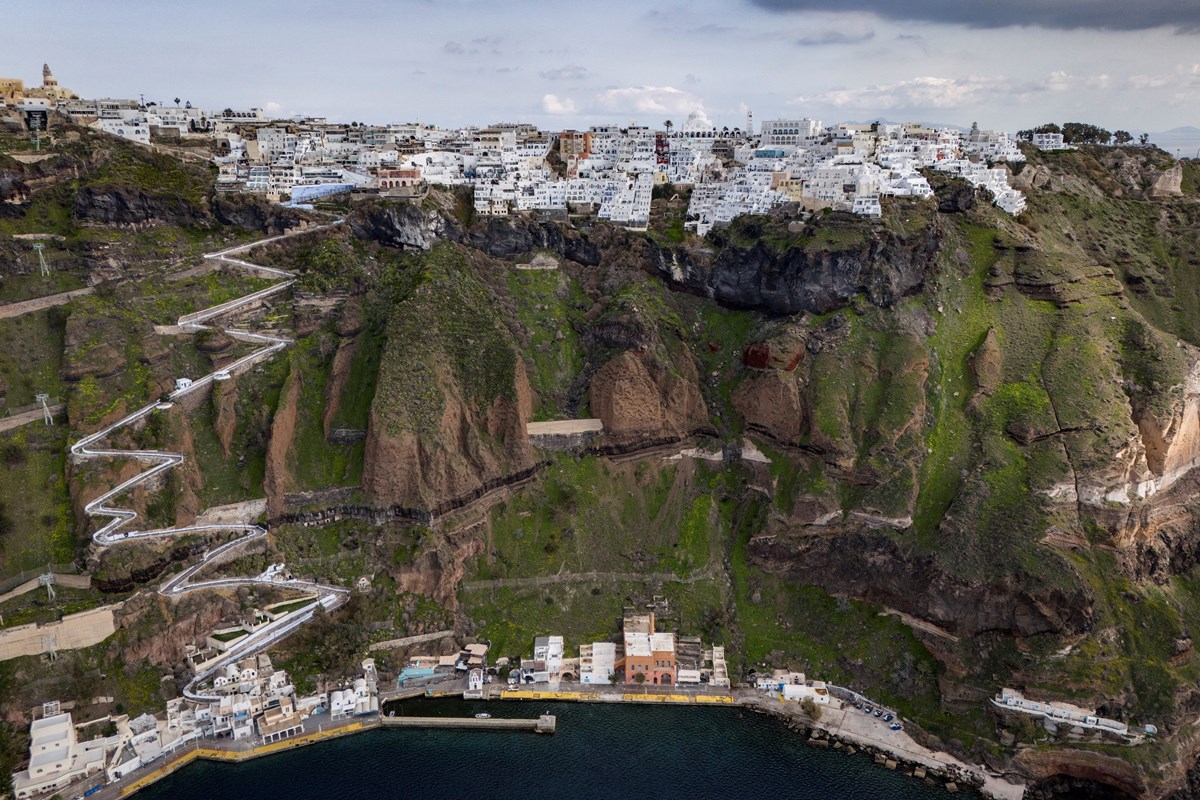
<point x="668" y="125"/>
<point x="177" y="102"/>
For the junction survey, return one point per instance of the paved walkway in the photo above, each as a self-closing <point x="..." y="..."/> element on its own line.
<point x="411" y="640"/>
<point x="587" y="577"/>
<point x="37" y="415"/>
<point x="114" y="531"/>
<point x="39" y="303"/>
<point x="558" y="427"/>
<point x="855" y="725"/>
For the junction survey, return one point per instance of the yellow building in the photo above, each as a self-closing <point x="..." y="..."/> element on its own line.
<point x="50" y="90"/>
<point x="12" y="91"/>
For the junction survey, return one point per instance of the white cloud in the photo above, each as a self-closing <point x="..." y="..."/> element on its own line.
<point x="923" y="92"/>
<point x="649" y="100"/>
<point x="553" y="104"/>
<point x="930" y="92"/>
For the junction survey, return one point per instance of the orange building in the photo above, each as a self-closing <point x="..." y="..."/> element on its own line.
<point x="649" y="654"/>
<point x="404" y="181"/>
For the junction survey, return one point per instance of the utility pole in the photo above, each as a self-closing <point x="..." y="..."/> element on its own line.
<point x="38" y="248"/>
<point x="47" y="580"/>
<point x="46" y="415"/>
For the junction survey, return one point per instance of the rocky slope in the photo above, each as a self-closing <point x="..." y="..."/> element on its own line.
<point x="971" y="438"/>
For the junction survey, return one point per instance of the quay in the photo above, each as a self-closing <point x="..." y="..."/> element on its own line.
<point x="546" y="723"/>
<point x="231" y="753"/>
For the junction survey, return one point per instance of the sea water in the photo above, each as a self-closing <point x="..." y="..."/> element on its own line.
<point x="599" y="751"/>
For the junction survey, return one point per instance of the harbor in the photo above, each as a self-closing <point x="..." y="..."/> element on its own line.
<point x="599" y="750"/>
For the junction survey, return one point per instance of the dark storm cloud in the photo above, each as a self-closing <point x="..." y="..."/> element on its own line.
<point x="1121" y="15"/>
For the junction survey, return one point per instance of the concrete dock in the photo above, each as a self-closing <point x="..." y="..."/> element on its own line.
<point x="546" y="723"/>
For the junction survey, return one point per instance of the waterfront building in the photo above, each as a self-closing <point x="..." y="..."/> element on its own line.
<point x="597" y="662"/>
<point x="648" y="653"/>
<point x="279" y="721"/>
<point x="718" y="668"/>
<point x="56" y="756"/>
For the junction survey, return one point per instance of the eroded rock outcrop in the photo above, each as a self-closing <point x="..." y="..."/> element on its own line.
<point x="875" y="567"/>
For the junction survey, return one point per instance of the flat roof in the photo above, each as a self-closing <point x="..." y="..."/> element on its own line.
<point x="637" y="644"/>
<point x="661" y="642"/>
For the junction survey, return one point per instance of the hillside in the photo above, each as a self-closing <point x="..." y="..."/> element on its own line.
<point x="976" y="433"/>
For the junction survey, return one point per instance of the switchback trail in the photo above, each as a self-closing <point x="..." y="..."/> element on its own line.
<point x="112" y="532"/>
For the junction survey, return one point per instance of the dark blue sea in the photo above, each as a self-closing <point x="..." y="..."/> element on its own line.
<point x="599" y="751"/>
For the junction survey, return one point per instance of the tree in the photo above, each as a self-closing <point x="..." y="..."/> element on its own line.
<point x="1122" y="137"/>
<point x="1144" y="139"/>
<point x="809" y="706"/>
<point x="1027" y="135"/>
<point x="177" y="102"/>
<point x="668" y="125"/>
<point x="639" y="678"/>
<point x="1084" y="133"/>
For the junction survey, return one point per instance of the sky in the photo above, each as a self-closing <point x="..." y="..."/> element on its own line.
<point x="1007" y="64"/>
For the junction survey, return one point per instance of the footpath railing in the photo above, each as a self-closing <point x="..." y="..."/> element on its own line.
<point x="14" y="581"/>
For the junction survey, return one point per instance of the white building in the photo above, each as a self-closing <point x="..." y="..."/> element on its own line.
<point x="789" y="131"/>
<point x="134" y="128"/>
<point x="597" y="662"/>
<point x="57" y="758"/>
<point x="1049" y="141"/>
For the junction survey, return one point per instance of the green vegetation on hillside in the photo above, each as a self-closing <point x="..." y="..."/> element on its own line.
<point x="449" y="322"/>
<point x="550" y="306"/>
<point x="36" y="524"/>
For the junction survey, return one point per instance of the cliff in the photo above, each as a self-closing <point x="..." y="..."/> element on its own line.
<point x="930" y="455"/>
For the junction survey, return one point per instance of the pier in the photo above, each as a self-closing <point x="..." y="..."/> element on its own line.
<point x="546" y="723"/>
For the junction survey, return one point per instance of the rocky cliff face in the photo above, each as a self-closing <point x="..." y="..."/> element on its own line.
<point x="634" y="395"/>
<point x="452" y="397"/>
<point x="119" y="205"/>
<point x="984" y="426"/>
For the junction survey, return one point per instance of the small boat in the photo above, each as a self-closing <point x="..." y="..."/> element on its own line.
<point x="483" y="715"/>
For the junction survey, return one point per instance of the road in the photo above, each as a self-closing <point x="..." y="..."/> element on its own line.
<point x="112" y="532"/>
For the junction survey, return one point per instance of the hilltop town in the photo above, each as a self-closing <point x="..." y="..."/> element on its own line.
<point x="612" y="170"/>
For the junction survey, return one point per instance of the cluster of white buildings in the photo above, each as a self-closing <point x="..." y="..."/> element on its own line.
<point x="607" y="170"/>
<point x="249" y="701"/>
<point x="795" y="687"/>
<point x="1054" y="713"/>
<point x="643" y="656"/>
